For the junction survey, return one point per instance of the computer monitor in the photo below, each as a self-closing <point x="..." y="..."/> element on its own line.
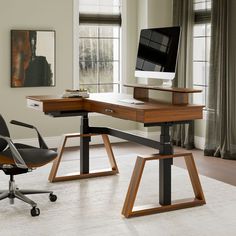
<point x="157" y="53"/>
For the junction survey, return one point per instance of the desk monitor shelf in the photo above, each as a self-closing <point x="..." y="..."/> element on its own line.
<point x="179" y="95"/>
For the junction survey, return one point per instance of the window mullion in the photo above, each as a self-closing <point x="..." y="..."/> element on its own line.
<point x="200" y="63"/>
<point x="106" y="75"/>
<point x="98" y="68"/>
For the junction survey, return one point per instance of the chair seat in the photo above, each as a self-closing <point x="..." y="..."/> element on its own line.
<point x="33" y="156"/>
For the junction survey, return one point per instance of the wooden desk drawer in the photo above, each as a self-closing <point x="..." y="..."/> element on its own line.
<point x="113" y="110"/>
<point x="67" y="104"/>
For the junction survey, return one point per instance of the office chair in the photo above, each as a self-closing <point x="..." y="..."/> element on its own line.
<point x="17" y="158"/>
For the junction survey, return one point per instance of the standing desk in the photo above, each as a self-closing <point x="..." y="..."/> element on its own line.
<point x="151" y="113"/>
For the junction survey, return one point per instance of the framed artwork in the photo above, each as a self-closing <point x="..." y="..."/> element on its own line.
<point x="32" y="58"/>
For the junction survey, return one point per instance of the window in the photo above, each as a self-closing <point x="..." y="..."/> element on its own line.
<point x="201" y="48"/>
<point x="99" y="45"/>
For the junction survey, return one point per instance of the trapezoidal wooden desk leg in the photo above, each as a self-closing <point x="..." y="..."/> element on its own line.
<point x="130" y="211"/>
<point x="73" y="176"/>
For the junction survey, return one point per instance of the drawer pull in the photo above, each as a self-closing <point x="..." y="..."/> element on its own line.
<point x="34" y="105"/>
<point x="109" y="110"/>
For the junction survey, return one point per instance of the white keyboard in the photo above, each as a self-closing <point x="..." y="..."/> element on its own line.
<point x="131" y="101"/>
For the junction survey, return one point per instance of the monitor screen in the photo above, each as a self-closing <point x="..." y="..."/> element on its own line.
<point x="157" y="53"/>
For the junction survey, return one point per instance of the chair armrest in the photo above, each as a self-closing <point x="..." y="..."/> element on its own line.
<point x="16" y="155"/>
<point x="42" y="143"/>
<point x="15" y="122"/>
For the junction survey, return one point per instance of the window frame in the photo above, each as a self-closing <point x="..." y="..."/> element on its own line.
<point x="203" y="16"/>
<point x="116" y="81"/>
<point x="76" y="69"/>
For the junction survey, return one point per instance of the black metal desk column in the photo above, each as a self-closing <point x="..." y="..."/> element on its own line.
<point x="84" y="145"/>
<point x="165" y="167"/>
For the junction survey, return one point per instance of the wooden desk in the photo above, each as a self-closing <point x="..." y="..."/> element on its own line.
<point x="151" y="113"/>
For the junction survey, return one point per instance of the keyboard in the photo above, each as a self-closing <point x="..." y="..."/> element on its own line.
<point x="131" y="101"/>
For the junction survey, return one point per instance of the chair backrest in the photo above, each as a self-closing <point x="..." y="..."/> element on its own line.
<point x="4" y="132"/>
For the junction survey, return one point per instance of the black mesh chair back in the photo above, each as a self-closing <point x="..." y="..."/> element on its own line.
<point x="4" y="132"/>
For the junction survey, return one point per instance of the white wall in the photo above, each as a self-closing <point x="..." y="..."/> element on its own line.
<point x="159" y="13"/>
<point x="41" y="15"/>
<point x="130" y="39"/>
<point x="58" y="15"/>
<point x="49" y="15"/>
<point x="142" y="14"/>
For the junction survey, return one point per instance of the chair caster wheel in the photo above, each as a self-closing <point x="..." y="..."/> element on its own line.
<point x="52" y="197"/>
<point x="35" y="211"/>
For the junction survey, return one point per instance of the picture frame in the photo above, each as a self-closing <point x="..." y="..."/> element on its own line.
<point x="32" y="58"/>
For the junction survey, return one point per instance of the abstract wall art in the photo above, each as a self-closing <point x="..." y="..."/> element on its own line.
<point x="32" y="58"/>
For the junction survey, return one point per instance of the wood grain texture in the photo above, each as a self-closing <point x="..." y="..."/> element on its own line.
<point x="179" y="95"/>
<point x="110" y="104"/>
<point x="140" y="93"/>
<point x="193" y="174"/>
<point x="166" y="89"/>
<point x="73" y="176"/>
<point x="9" y="161"/>
<point x="175" y="205"/>
<point x="77" y="175"/>
<point x="110" y="153"/>
<point x="169" y="113"/>
<point x="57" y="161"/>
<point x="111" y="109"/>
<point x="133" y="187"/>
<point x="179" y="98"/>
<point x="128" y="208"/>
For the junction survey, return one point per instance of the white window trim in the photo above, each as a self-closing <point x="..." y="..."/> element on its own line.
<point x="123" y="39"/>
<point x="124" y="48"/>
<point x="75" y="44"/>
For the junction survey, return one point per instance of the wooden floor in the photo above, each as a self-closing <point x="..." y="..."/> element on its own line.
<point x="219" y="169"/>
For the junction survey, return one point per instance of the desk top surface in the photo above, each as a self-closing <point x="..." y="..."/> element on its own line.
<point x="109" y="104"/>
<point x="149" y="104"/>
<point x="114" y="99"/>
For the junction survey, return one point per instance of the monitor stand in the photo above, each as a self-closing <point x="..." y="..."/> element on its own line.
<point x="179" y="95"/>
